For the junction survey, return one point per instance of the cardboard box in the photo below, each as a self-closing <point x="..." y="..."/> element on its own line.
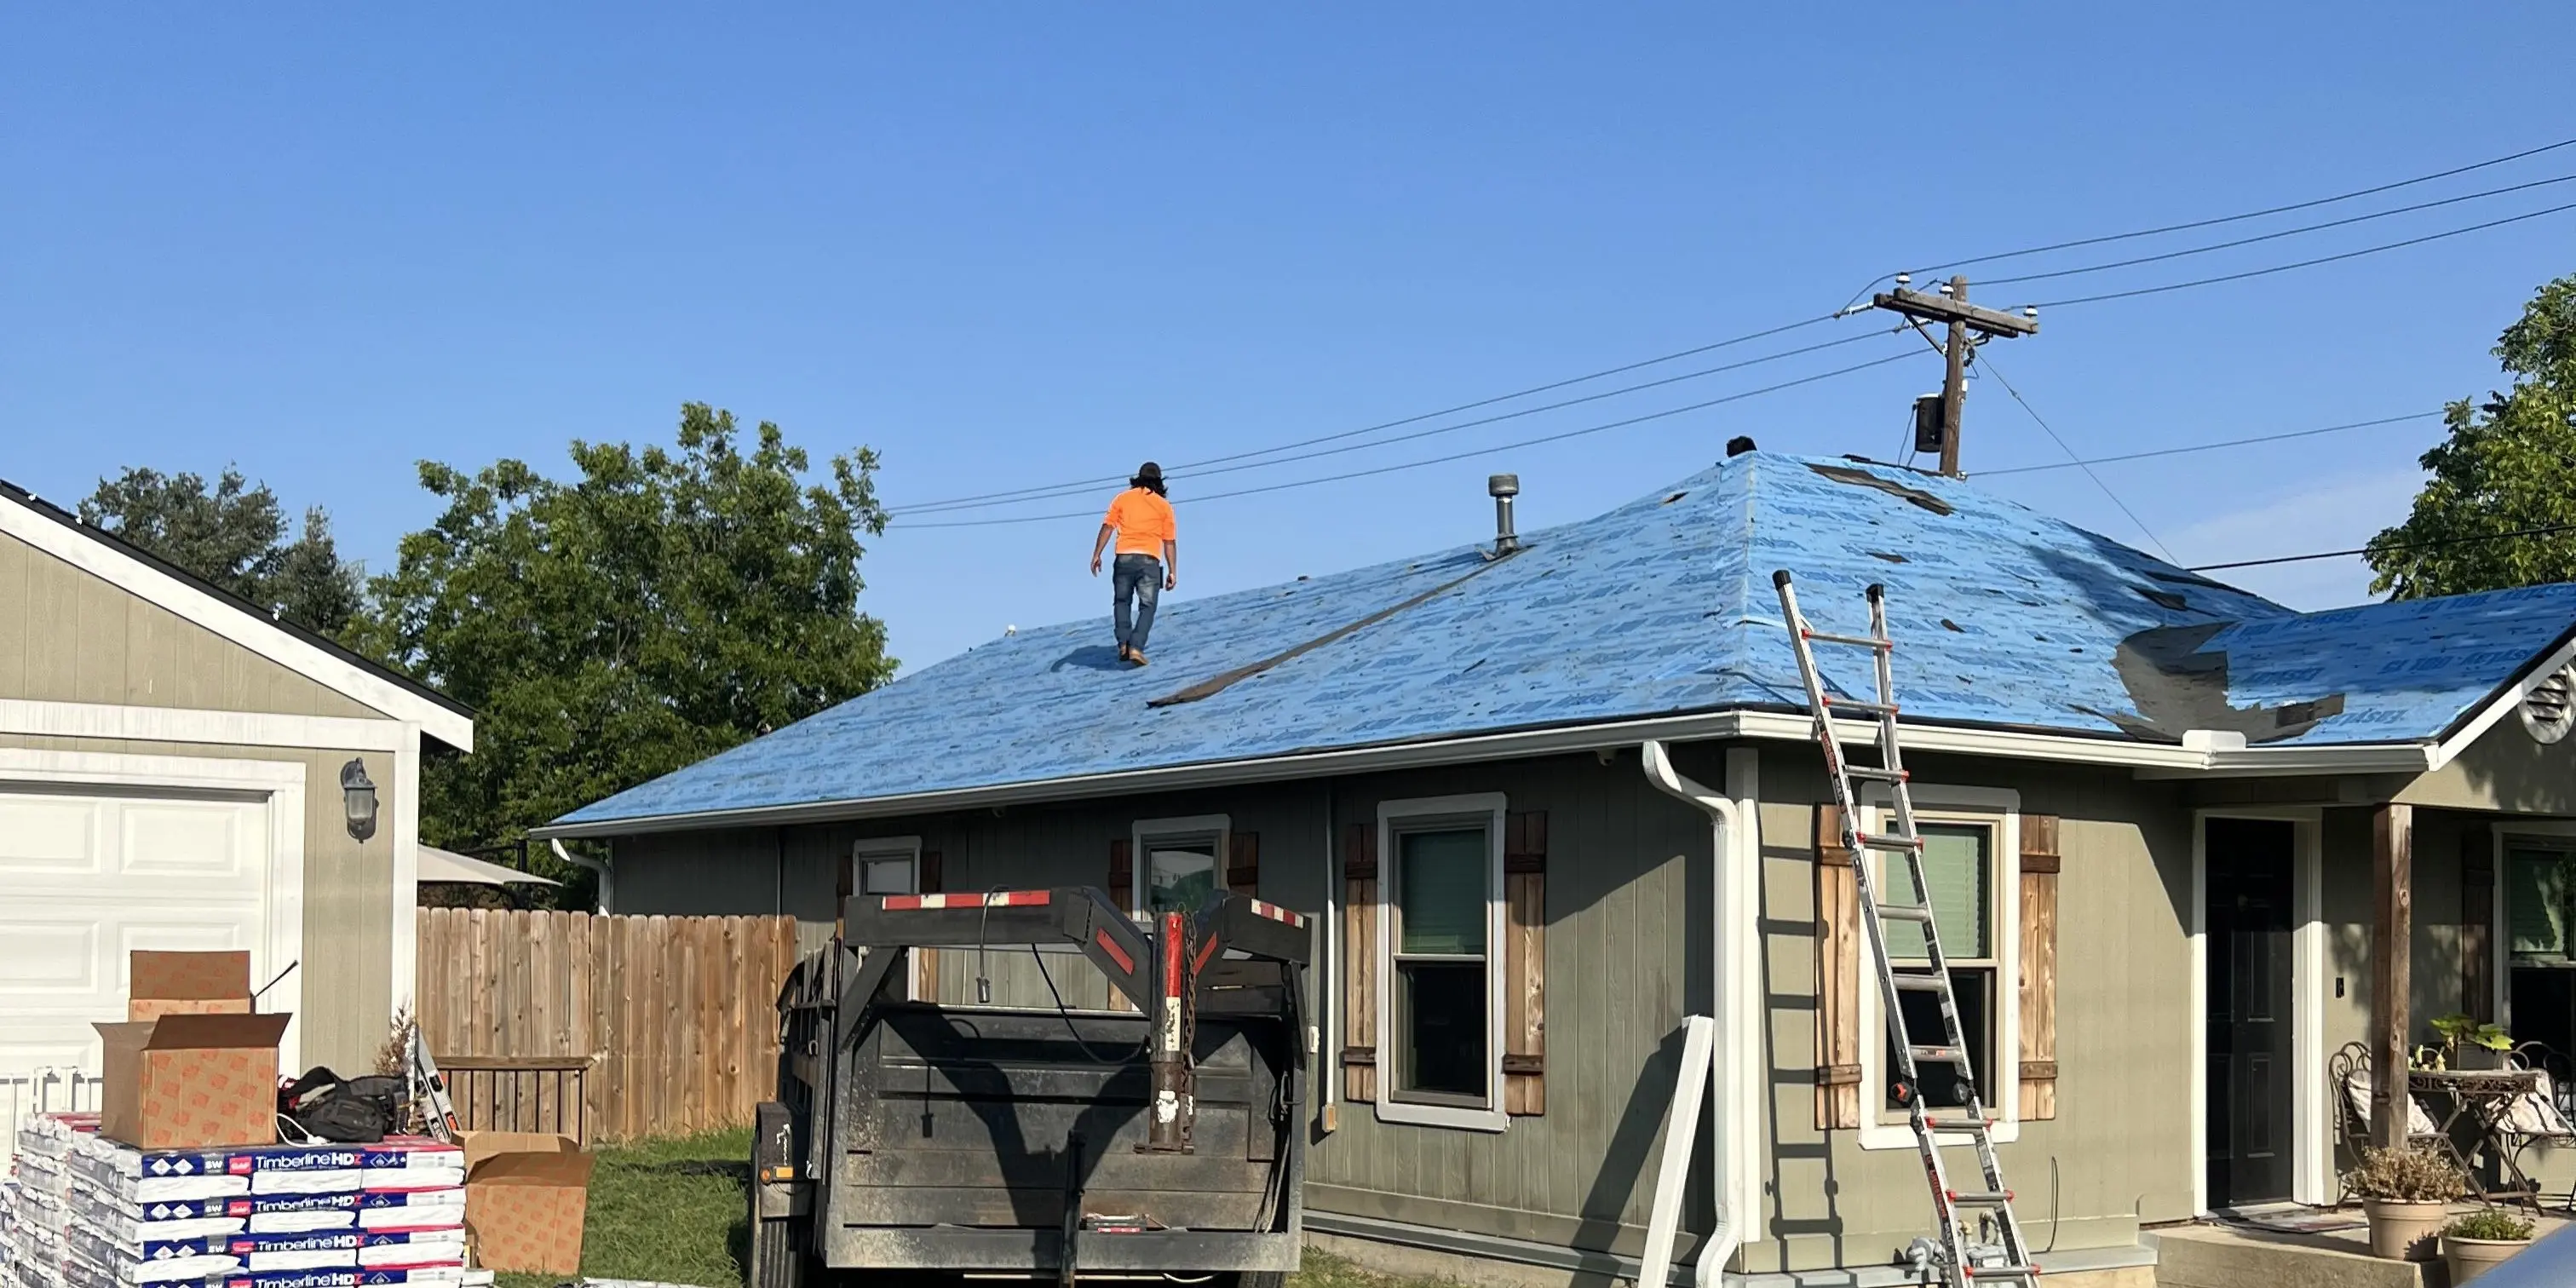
<point x="159" y="984"/>
<point x="526" y="1194"/>
<point x="191" y="1081"/>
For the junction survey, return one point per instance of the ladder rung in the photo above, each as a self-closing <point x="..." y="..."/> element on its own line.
<point x="1924" y="983"/>
<point x="1934" y="1054"/>
<point x="1870" y="774"/>
<point x="2024" y="1273"/>
<point x="1882" y="841"/>
<point x="1957" y="1124"/>
<point x="1856" y="641"/>
<point x="1856" y="704"/>
<point x="1905" y="912"/>
<point x="1982" y="1198"/>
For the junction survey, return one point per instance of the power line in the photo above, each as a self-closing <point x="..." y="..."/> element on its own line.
<point x="1427" y="433"/>
<point x="2251" y="214"/>
<point x="1442" y="460"/>
<point x="2305" y="263"/>
<point x="1050" y="491"/>
<point x="1746" y="338"/>
<point x="2211" y="447"/>
<point x="2276" y="236"/>
<point x="2408" y="545"/>
<point x="1997" y="372"/>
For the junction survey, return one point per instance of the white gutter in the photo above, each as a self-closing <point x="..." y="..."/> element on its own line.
<point x="607" y="879"/>
<point x="1726" y="1002"/>
<point x="2187" y="759"/>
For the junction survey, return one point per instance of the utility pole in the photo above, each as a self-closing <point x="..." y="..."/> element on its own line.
<point x="1969" y="326"/>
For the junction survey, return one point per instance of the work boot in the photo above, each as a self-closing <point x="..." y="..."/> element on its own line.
<point x="1136" y="656"/>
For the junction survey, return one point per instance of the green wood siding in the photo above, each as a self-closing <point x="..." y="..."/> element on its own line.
<point x="2119" y="1149"/>
<point x="1627" y="865"/>
<point x="66" y="636"/>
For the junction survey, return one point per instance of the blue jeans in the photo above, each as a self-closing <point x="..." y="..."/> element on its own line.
<point x="1137" y="577"/>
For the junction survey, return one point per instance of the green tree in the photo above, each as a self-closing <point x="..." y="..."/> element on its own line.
<point x="663" y="606"/>
<point x="235" y="536"/>
<point x="2508" y="466"/>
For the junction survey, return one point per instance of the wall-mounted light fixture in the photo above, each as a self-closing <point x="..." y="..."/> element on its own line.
<point x="358" y="795"/>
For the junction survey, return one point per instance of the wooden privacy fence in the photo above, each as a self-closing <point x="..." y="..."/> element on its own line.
<point x="603" y="1027"/>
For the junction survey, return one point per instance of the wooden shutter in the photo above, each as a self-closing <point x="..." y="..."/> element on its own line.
<point x="2039" y="865"/>
<point x="1359" y="962"/>
<point x="926" y="878"/>
<point x="1243" y="863"/>
<point x="1525" y="963"/>
<point x="1122" y="892"/>
<point x="2477" y="923"/>
<point x="843" y="886"/>
<point x="1838" y="934"/>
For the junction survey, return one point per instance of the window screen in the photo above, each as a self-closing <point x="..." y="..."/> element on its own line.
<point x="1180" y="872"/>
<point x="1441" y="986"/>
<point x="1441" y="889"/>
<point x="2537" y="890"/>
<point x="1958" y="862"/>
<point x="886" y="875"/>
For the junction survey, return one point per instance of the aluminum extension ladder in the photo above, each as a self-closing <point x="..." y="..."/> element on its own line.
<point x="1981" y="1240"/>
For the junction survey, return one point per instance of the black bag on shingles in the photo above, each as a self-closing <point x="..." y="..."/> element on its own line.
<point x="350" y="1111"/>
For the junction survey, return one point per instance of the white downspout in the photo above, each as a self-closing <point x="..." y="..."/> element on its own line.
<point x="607" y="879"/>
<point x="1725" y="827"/>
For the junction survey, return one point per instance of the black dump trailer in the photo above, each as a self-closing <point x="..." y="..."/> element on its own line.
<point x="915" y="1139"/>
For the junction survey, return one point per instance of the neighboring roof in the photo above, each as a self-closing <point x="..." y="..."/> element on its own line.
<point x="61" y="533"/>
<point x="447" y="865"/>
<point x="2005" y="619"/>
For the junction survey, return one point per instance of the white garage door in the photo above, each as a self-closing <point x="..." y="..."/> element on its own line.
<point x="84" y="880"/>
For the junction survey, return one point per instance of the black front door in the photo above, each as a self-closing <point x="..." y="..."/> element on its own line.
<point x="2249" y="925"/>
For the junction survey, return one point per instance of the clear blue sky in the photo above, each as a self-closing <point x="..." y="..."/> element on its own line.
<point x="1012" y="244"/>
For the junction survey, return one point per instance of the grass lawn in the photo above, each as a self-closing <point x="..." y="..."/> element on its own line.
<point x="674" y="1211"/>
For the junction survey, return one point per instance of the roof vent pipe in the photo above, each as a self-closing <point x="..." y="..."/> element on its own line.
<point x="1503" y="487"/>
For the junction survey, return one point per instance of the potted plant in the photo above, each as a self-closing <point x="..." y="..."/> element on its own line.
<point x="2466" y="1044"/>
<point x="2474" y="1243"/>
<point x="2406" y="1192"/>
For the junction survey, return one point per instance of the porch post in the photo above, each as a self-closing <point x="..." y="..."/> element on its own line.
<point x="2392" y="836"/>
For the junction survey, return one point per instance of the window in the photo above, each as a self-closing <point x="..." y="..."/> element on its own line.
<point x="891" y="865"/>
<point x="1184" y="864"/>
<point x="1959" y="865"/>
<point x="1971" y="861"/>
<point x="2540" y="939"/>
<point x="1440" y="982"/>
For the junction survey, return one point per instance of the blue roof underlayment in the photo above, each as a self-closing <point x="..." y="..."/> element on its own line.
<point x="2003" y="616"/>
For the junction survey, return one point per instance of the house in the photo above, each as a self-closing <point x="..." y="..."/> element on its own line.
<point x="180" y="769"/>
<point x="1545" y="806"/>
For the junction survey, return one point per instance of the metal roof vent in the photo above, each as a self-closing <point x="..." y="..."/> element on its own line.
<point x="1503" y="487"/>
<point x="2549" y="710"/>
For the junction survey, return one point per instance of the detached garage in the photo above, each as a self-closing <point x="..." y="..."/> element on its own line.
<point x="180" y="770"/>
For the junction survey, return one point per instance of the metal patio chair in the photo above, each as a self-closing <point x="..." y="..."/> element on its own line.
<point x="2537" y="1117"/>
<point x="2348" y="1074"/>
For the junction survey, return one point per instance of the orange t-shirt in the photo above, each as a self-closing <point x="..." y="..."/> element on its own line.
<point x="1144" y="522"/>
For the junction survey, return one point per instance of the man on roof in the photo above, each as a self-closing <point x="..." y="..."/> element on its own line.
<point x="1148" y="557"/>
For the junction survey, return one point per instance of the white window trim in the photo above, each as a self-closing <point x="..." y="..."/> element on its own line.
<point x="2550" y="835"/>
<point x="883" y="847"/>
<point x="2000" y="808"/>
<point x="1140" y="866"/>
<point x="1493" y="1117"/>
<point x="889" y="847"/>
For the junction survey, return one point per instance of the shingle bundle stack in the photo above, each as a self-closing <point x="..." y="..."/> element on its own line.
<point x="279" y="1216"/>
<point x="35" y="1228"/>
